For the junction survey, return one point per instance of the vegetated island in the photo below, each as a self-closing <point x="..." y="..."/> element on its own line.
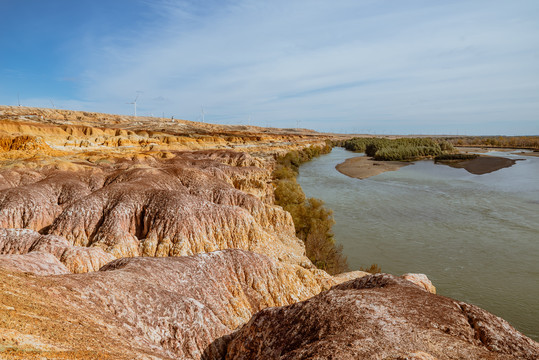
<point x="383" y="154"/>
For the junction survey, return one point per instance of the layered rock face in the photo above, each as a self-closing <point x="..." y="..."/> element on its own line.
<point x="117" y="243"/>
<point x="379" y="317"/>
<point x="26" y="203"/>
<point x="27" y="250"/>
<point x="30" y="132"/>
<point x="189" y="203"/>
<point x="161" y="308"/>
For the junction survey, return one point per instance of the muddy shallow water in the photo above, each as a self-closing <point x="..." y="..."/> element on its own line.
<point x="475" y="236"/>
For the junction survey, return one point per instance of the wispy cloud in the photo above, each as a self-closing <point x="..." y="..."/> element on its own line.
<point x="386" y="65"/>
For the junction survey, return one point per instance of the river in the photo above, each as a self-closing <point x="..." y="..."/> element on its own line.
<point x="475" y="236"/>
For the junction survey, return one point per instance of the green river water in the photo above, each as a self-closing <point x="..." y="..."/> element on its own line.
<point x="475" y="236"/>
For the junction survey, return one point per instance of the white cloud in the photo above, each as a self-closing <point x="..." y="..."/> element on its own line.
<point x="391" y="66"/>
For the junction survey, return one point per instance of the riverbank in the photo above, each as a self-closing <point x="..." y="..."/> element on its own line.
<point x="482" y="150"/>
<point x="470" y="234"/>
<point x="363" y="167"/>
<point x="535" y="153"/>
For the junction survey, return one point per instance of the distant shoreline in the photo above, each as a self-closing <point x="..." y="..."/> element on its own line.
<point x="483" y="150"/>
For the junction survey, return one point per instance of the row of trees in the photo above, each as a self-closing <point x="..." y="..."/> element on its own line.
<point x="403" y="149"/>
<point x="445" y="157"/>
<point x="515" y="142"/>
<point x="312" y="220"/>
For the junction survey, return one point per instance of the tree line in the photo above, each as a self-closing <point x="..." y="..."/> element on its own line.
<point x="513" y="142"/>
<point x="313" y="221"/>
<point x="402" y="149"/>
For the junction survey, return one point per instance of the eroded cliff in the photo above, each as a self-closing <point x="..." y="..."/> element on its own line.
<point x="26" y="133"/>
<point x="188" y="203"/>
<point x="145" y="238"/>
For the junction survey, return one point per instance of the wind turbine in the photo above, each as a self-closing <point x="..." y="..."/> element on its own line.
<point x="202" y="112"/>
<point x="135" y="102"/>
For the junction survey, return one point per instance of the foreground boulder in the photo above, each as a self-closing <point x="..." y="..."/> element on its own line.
<point x="379" y="317"/>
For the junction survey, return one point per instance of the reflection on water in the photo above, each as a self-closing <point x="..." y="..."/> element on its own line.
<point x="475" y="236"/>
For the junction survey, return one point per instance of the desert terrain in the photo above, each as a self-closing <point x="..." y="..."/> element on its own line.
<point x="146" y="238"/>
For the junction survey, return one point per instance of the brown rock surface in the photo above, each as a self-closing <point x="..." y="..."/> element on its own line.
<point x="35" y="205"/>
<point x="30" y="133"/>
<point x="80" y="189"/>
<point x="23" y="245"/>
<point x="187" y="203"/>
<point x="37" y="262"/>
<point x="166" y="307"/>
<point x="379" y="317"/>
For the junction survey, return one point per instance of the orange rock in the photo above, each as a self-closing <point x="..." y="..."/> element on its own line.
<point x="421" y="280"/>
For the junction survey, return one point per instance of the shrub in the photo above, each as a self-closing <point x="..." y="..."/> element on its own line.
<point x="282" y="172"/>
<point x="313" y="222"/>
<point x="445" y="157"/>
<point x="518" y="142"/>
<point x="325" y="254"/>
<point x="373" y="269"/>
<point x="288" y="192"/>
<point x="403" y="149"/>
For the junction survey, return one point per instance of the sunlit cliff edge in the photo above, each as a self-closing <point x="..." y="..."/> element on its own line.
<point x="151" y="238"/>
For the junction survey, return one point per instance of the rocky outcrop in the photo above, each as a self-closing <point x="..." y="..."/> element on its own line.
<point x="22" y="142"/>
<point x="188" y="203"/>
<point x="100" y="215"/>
<point x="178" y="207"/>
<point x="27" y="133"/>
<point x="23" y="245"/>
<point x="35" y="205"/>
<point x="172" y="307"/>
<point x="383" y="317"/>
<point x="36" y="262"/>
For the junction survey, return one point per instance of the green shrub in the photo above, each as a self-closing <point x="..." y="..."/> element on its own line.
<point x="445" y="157"/>
<point x="516" y="142"/>
<point x="313" y="222"/>
<point x="282" y="172"/>
<point x="373" y="269"/>
<point x="325" y="254"/>
<point x="403" y="149"/>
<point x="288" y="192"/>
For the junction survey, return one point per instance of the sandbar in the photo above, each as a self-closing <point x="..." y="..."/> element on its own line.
<point x="481" y="165"/>
<point x="362" y="167"/>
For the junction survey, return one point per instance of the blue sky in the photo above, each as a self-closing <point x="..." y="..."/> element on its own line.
<point x="384" y="67"/>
